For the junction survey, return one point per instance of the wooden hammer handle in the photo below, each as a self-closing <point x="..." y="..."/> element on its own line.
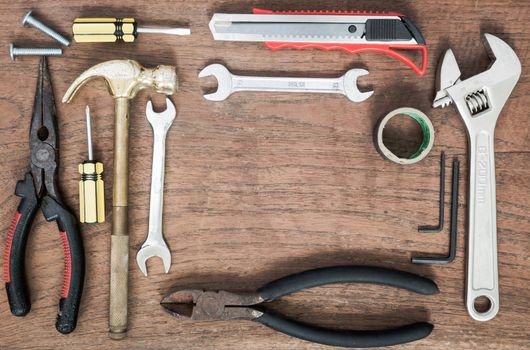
<point x="119" y="250"/>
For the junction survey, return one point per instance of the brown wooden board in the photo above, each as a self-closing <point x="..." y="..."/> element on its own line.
<point x="264" y="185"/>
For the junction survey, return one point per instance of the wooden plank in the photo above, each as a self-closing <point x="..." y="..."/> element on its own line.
<point x="264" y="185"/>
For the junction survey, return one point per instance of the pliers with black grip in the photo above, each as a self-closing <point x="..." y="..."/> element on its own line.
<point x="39" y="188"/>
<point x="202" y="305"/>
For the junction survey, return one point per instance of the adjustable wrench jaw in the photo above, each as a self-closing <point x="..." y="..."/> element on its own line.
<point x="479" y="101"/>
<point x="496" y="83"/>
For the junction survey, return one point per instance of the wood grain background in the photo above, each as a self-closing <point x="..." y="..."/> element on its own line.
<point x="264" y="185"/>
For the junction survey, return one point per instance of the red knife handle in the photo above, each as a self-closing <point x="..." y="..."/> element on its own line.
<point x="388" y="49"/>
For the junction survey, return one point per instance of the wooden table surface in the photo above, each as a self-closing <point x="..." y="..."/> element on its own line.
<point x="264" y="185"/>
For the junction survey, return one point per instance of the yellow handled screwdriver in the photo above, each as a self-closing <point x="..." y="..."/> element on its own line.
<point x="91" y="196"/>
<point x="91" y="30"/>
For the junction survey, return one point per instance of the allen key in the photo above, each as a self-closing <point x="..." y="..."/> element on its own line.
<point x="440" y="226"/>
<point x="454" y="217"/>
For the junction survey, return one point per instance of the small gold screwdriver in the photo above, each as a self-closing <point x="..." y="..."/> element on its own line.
<point x="91" y="30"/>
<point x="91" y="196"/>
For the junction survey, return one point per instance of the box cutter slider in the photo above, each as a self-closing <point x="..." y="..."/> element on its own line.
<point x="199" y="305"/>
<point x="349" y="31"/>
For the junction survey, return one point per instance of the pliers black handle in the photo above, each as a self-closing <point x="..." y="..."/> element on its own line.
<point x="202" y="305"/>
<point x="14" y="255"/>
<point x="346" y="274"/>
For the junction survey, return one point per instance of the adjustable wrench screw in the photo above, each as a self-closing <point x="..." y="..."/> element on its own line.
<point x="32" y="21"/>
<point x="33" y="51"/>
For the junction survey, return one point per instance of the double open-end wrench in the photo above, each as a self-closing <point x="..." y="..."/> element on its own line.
<point x="228" y="83"/>
<point x="155" y="245"/>
<point x="479" y="101"/>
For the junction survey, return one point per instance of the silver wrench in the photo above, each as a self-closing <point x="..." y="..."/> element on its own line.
<point x="479" y="101"/>
<point x="155" y="245"/>
<point x="228" y="83"/>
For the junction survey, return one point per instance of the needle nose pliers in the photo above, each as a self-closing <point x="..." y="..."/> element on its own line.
<point x="202" y="305"/>
<point x="39" y="188"/>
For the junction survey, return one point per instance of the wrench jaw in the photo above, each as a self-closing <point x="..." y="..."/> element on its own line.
<point x="485" y="93"/>
<point x="351" y="90"/>
<point x="448" y="74"/>
<point x="224" y="81"/>
<point x="166" y="117"/>
<point x="148" y="250"/>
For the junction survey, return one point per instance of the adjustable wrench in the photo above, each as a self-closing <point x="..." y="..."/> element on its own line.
<point x="229" y="83"/>
<point x="479" y="100"/>
<point x="155" y="244"/>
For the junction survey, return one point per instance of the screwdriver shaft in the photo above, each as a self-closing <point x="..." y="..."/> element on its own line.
<point x="89" y="133"/>
<point x="170" y="31"/>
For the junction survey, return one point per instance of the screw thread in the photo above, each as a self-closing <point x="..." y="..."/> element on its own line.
<point x="30" y="51"/>
<point x="47" y="30"/>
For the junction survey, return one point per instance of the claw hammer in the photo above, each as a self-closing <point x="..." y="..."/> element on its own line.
<point x="124" y="78"/>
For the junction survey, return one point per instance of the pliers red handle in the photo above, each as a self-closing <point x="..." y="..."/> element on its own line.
<point x="221" y="305"/>
<point x="39" y="189"/>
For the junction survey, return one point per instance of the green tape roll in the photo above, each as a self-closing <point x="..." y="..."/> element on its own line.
<point x="426" y="128"/>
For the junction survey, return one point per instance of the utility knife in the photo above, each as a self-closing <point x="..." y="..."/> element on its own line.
<point x="349" y="31"/>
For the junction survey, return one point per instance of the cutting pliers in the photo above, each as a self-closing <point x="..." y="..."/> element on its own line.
<point x="202" y="305"/>
<point x="39" y="188"/>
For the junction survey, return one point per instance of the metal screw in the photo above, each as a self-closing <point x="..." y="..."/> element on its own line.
<point x="33" y="51"/>
<point x="32" y="21"/>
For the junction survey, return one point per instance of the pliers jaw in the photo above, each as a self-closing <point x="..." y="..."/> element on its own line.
<point x="43" y="136"/>
<point x="199" y="305"/>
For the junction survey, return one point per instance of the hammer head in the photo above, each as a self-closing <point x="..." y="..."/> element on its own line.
<point x="126" y="77"/>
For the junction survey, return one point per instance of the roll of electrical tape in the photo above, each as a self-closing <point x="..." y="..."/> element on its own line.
<point x="426" y="128"/>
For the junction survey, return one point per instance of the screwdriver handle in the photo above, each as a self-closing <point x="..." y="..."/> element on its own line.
<point x="91" y="193"/>
<point x="104" y="29"/>
<point x="115" y="29"/>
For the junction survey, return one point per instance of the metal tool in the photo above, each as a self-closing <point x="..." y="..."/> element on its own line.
<point x="229" y="84"/>
<point x="199" y="305"/>
<point x="39" y="188"/>
<point x="33" y="51"/>
<point x="91" y="187"/>
<point x="155" y="245"/>
<point x="29" y="19"/>
<point x="349" y="31"/>
<point x="115" y="29"/>
<point x="479" y="101"/>
<point x="125" y="78"/>
<point x="454" y="223"/>
<point x="441" y="202"/>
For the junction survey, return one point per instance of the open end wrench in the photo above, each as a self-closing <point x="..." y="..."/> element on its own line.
<point x="479" y="101"/>
<point x="228" y="83"/>
<point x="155" y="245"/>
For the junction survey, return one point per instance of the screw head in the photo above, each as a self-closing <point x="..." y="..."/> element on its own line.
<point x="11" y="49"/>
<point x="25" y="18"/>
